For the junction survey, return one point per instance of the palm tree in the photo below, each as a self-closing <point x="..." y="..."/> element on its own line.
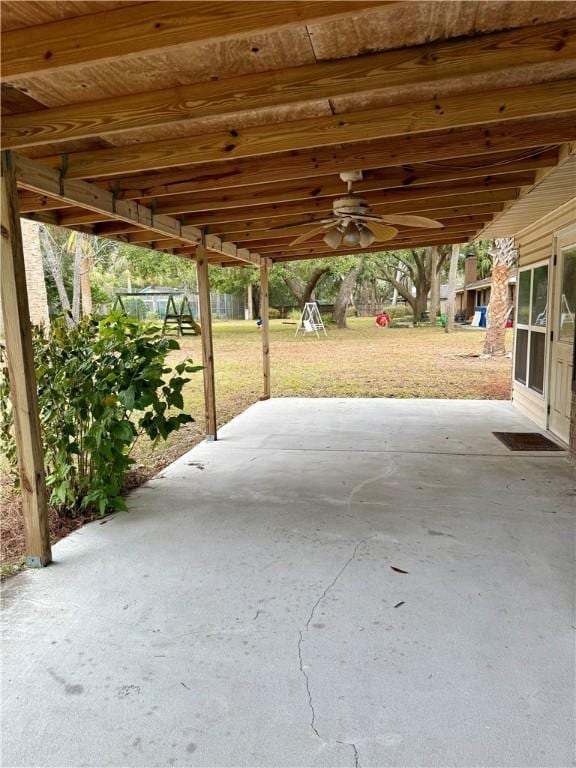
<point x="504" y="256"/>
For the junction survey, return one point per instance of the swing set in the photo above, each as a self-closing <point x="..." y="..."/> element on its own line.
<point x="178" y="321"/>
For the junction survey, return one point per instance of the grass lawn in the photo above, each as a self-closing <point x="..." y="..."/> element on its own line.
<point x="362" y="361"/>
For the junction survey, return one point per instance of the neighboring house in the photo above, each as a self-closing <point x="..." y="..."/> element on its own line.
<point x="543" y="222"/>
<point x="472" y="292"/>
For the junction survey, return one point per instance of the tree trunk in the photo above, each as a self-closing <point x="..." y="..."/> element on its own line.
<point x="255" y="300"/>
<point x="395" y="294"/>
<point x="503" y="257"/>
<point x="451" y="300"/>
<point x="344" y="295"/>
<point x="313" y="281"/>
<point x="303" y="292"/>
<point x="495" y="339"/>
<point x="421" y="302"/>
<point x="54" y="263"/>
<point x="77" y="277"/>
<point x="85" y="287"/>
<point x="435" y="285"/>
<point x="248" y="315"/>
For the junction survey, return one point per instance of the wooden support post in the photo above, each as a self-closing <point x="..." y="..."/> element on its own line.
<point x="23" y="389"/>
<point x="264" y="317"/>
<point x="206" y="338"/>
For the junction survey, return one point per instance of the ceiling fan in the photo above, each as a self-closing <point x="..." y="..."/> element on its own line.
<point x="352" y="224"/>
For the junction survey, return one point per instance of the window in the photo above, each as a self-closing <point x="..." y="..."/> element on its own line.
<point x="531" y="323"/>
<point x="567" y="294"/>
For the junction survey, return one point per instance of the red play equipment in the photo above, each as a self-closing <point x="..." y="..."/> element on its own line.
<point x="383" y="319"/>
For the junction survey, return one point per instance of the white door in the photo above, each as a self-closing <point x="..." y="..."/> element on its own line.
<point x="562" y="347"/>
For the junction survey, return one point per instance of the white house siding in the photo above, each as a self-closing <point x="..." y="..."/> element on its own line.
<point x="536" y="244"/>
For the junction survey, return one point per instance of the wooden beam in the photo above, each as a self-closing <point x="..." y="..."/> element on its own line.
<point x="432" y="147"/>
<point x="435" y="114"/>
<point x="206" y="339"/>
<point x="258" y="237"/>
<point x="270" y="205"/>
<point x="243" y="231"/>
<point x="409" y="200"/>
<point x="23" y="387"/>
<point x="374" y="180"/>
<point x="331" y="185"/>
<point x="265" y="318"/>
<point x="269" y="236"/>
<point x="455" y="59"/>
<point x="38" y="178"/>
<point x="265" y="246"/>
<point x="478" y="203"/>
<point x="420" y="243"/>
<point x="151" y="27"/>
<point x="409" y="236"/>
<point x="247" y="235"/>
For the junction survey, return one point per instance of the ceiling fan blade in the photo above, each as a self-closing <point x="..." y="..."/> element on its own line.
<point x="309" y="235"/>
<point x="382" y="231"/>
<point x="407" y="220"/>
<point x="299" y="225"/>
<point x="303" y="225"/>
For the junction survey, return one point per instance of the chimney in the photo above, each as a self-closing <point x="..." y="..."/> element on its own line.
<point x="470" y="274"/>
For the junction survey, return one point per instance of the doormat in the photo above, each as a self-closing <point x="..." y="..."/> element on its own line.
<point x="527" y="441"/>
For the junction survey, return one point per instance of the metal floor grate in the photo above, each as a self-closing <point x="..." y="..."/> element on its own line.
<point x="527" y="441"/>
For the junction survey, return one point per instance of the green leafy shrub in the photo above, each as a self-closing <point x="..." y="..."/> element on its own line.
<point x="101" y="384"/>
<point x="273" y="313"/>
<point x="399" y="311"/>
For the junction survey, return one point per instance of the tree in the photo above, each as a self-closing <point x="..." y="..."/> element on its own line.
<point x="53" y="257"/>
<point x="504" y="256"/>
<point x="77" y="238"/>
<point x="415" y="267"/>
<point x="344" y="296"/>
<point x="451" y="300"/>
<point x="85" y="284"/>
<point x="301" y="281"/>
<point x="435" y="285"/>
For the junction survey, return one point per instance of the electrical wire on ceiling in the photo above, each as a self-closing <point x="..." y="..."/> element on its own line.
<point x="508" y="161"/>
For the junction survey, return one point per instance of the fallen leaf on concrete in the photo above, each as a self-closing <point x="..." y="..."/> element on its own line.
<point x="399" y="604"/>
<point x="398" y="570"/>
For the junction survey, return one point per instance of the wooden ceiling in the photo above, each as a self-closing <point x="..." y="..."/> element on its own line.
<point x="159" y="123"/>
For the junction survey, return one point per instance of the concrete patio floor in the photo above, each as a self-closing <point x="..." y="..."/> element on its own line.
<point x="333" y="583"/>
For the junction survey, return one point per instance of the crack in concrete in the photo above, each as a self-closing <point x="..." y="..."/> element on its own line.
<point x="307" y="628"/>
<point x="380" y="476"/>
<point x="356" y="753"/>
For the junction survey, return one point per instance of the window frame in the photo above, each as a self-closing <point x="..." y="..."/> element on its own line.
<point x="530" y="328"/>
<point x="564" y="242"/>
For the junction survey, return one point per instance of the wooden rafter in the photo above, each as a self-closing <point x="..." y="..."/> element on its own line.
<point x="40" y="179"/>
<point x="438" y="146"/>
<point x="551" y="99"/>
<point x="530" y="46"/>
<point x="407" y="200"/>
<point x="331" y="185"/>
<point x="377" y="192"/>
<point x="410" y="200"/>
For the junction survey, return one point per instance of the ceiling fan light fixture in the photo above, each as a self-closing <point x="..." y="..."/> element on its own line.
<point x="333" y="237"/>
<point x="367" y="237"/>
<point x="351" y="235"/>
